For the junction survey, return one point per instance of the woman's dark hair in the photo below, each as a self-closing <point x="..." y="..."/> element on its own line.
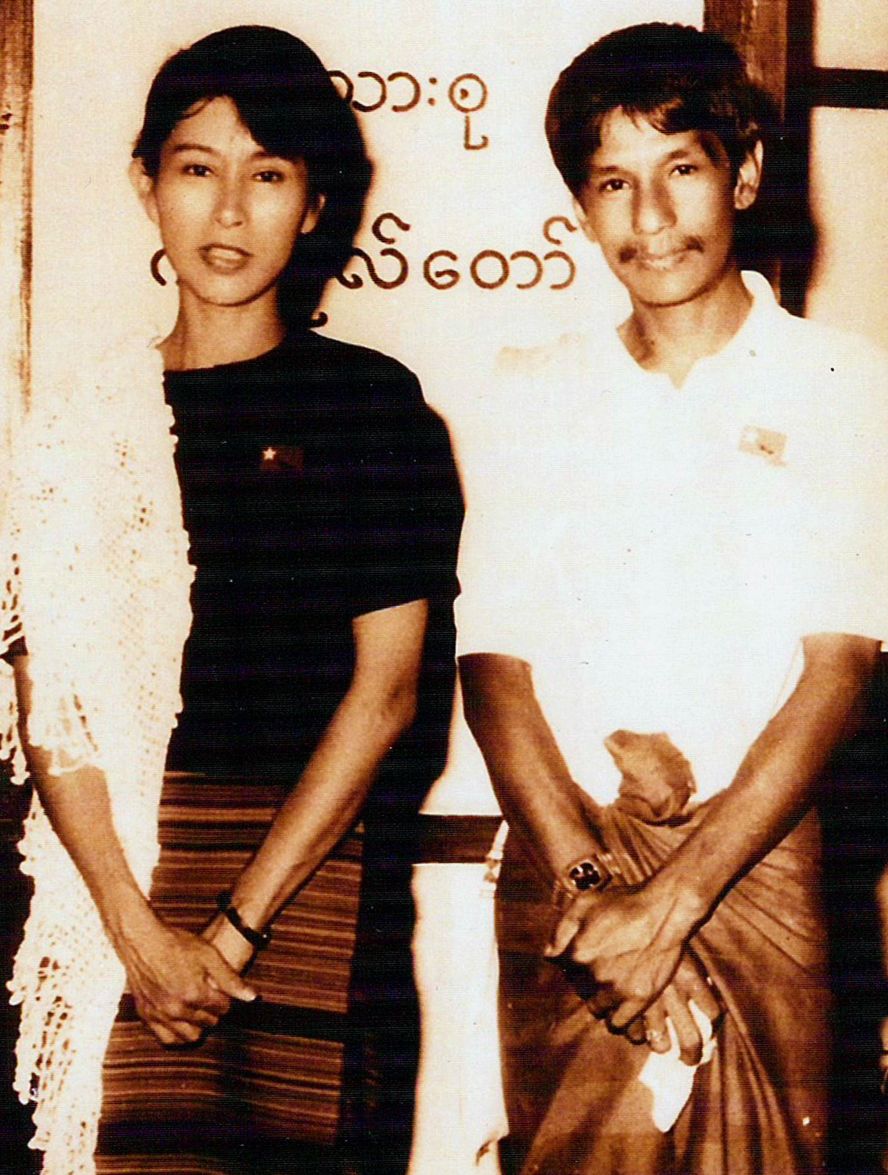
<point x="675" y="76"/>
<point x="290" y="106"/>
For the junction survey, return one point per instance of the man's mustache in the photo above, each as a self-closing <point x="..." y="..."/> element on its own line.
<point x="632" y="251"/>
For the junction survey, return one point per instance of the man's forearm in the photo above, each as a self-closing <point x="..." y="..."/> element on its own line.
<point x="776" y="782"/>
<point x="541" y="800"/>
<point x="532" y="782"/>
<point x="632" y="939"/>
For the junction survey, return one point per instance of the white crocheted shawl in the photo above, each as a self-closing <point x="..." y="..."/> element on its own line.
<point x="95" y="576"/>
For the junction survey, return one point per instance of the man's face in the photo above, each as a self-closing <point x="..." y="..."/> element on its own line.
<point x="662" y="209"/>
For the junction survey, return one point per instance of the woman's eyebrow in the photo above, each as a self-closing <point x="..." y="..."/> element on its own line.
<point x="178" y="148"/>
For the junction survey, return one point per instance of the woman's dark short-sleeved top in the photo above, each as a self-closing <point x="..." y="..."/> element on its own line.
<point x="317" y="486"/>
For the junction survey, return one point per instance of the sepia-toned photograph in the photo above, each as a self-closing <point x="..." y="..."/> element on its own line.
<point x="443" y="588"/>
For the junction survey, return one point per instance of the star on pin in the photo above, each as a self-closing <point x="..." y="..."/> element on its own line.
<point x="281" y="458"/>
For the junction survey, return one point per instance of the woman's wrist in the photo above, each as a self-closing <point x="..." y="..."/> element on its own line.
<point x="128" y="918"/>
<point x="258" y="936"/>
<point x="233" y="947"/>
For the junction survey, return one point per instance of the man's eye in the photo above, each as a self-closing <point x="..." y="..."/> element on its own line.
<point x="685" y="169"/>
<point x="270" y="176"/>
<point x="198" y="169"/>
<point x="612" y="185"/>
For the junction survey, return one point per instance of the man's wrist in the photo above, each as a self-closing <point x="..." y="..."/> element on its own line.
<point x="688" y="906"/>
<point x="593" y="872"/>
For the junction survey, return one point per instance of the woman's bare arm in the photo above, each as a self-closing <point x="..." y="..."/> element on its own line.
<point x="377" y="708"/>
<point x="179" y="983"/>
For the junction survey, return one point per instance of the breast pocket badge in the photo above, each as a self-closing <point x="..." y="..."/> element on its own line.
<point x="764" y="443"/>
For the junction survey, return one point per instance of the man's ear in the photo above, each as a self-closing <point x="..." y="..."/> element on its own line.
<point x="143" y="186"/>
<point x="583" y="220"/>
<point x="749" y="178"/>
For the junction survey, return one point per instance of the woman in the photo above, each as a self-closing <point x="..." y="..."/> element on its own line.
<point x="882" y="902"/>
<point x="321" y="513"/>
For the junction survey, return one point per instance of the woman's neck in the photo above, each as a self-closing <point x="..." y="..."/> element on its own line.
<point x="208" y="336"/>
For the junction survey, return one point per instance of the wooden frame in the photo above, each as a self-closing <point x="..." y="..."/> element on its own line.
<point x="777" y="39"/>
<point x="774" y="37"/>
<point x="16" y="75"/>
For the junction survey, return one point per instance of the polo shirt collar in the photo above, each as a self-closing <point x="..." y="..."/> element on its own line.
<point x="756" y="332"/>
<point x="752" y="339"/>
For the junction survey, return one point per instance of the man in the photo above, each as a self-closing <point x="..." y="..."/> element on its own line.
<point x="675" y="604"/>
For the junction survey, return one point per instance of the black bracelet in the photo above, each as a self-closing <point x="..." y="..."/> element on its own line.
<point x="258" y="939"/>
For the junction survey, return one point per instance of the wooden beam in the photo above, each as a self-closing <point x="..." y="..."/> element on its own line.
<point x="858" y="89"/>
<point x="759" y="29"/>
<point x="16" y="76"/>
<point x="775" y="39"/>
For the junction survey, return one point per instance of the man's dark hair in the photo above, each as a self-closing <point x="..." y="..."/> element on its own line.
<point x="675" y="76"/>
<point x="288" y="103"/>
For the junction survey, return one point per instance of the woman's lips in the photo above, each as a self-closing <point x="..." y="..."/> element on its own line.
<point x="224" y="258"/>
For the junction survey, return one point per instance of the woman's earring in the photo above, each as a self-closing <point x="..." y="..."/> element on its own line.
<point x="155" y="267"/>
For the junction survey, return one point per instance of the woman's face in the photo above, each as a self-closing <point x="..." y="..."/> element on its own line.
<point x="229" y="214"/>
